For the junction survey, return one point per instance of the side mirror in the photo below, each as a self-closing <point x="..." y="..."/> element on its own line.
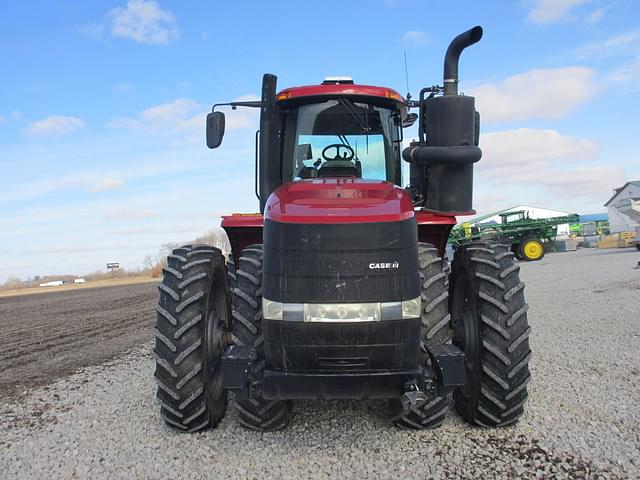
<point x="410" y="120"/>
<point x="215" y="129"/>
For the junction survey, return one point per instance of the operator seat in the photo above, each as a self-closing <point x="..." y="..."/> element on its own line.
<point x="307" y="172"/>
<point x="340" y="168"/>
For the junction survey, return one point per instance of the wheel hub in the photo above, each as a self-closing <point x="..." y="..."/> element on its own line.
<point x="217" y="314"/>
<point x="465" y="330"/>
<point x="533" y="250"/>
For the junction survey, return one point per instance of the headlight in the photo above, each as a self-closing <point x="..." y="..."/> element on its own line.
<point x="341" y="312"/>
<point x="411" y="308"/>
<point x="271" y="310"/>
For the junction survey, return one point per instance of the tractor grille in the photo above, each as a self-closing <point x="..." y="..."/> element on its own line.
<point x="330" y="263"/>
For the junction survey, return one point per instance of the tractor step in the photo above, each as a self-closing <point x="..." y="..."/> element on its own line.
<point x="236" y="363"/>
<point x="448" y="363"/>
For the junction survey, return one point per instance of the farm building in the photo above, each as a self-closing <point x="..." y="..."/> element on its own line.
<point x="533" y="212"/>
<point x="594" y="217"/>
<point x="624" y="207"/>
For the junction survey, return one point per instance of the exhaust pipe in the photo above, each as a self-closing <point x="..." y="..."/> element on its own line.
<point x="442" y="163"/>
<point x="452" y="56"/>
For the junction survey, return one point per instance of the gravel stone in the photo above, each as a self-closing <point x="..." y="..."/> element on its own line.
<point x="582" y="419"/>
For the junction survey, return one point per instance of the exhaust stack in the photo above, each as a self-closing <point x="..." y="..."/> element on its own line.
<point x="442" y="161"/>
<point x="452" y="57"/>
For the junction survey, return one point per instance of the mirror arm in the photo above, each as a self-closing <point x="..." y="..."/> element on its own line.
<point x="234" y="105"/>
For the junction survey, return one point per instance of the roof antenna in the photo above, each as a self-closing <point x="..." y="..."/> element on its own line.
<point x="406" y="74"/>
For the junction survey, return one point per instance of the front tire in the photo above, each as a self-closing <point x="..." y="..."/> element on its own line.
<point x="256" y="413"/>
<point x="489" y="318"/>
<point x="193" y="314"/>
<point x="434" y="277"/>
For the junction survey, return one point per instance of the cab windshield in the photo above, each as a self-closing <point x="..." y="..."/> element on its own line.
<point x="341" y="138"/>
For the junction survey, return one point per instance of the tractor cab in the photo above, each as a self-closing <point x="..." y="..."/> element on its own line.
<point x="517" y="216"/>
<point x="339" y="129"/>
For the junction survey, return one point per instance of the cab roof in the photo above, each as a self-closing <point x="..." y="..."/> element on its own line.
<point x="338" y="89"/>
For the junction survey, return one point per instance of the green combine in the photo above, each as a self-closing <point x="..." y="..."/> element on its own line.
<point x="529" y="238"/>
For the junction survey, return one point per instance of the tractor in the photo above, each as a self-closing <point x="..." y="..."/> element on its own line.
<point x="339" y="288"/>
<point x="529" y="238"/>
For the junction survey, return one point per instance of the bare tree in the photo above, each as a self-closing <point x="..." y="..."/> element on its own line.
<point x="216" y="238"/>
<point x="12" y="283"/>
<point x="148" y="263"/>
<point x="165" y="251"/>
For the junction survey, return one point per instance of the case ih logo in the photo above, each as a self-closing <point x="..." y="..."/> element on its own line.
<point x="375" y="266"/>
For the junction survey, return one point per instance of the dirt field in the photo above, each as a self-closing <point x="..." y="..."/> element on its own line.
<point x="78" y="286"/>
<point x="48" y="335"/>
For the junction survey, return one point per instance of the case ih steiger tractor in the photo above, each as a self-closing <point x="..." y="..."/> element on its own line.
<point x="339" y="288"/>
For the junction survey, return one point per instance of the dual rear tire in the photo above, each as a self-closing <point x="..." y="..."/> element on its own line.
<point x="434" y="278"/>
<point x="197" y="312"/>
<point x="193" y="314"/>
<point x="489" y="323"/>
<point x="255" y="413"/>
<point x="480" y="305"/>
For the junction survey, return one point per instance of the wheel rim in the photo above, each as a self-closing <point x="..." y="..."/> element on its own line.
<point x="217" y="316"/>
<point x="533" y="250"/>
<point x="465" y="331"/>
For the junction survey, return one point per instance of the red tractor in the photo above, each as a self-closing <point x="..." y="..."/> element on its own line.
<point x="340" y="287"/>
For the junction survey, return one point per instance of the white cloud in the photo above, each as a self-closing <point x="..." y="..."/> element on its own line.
<point x="133" y="230"/>
<point x="54" y="125"/>
<point x="528" y="148"/>
<point x="490" y="200"/>
<point x="415" y="37"/>
<point x="620" y="44"/>
<point x="559" y="164"/>
<point x="95" y="180"/>
<point x="248" y="97"/>
<point x="144" y="22"/>
<point x="626" y="73"/>
<point x="170" y="227"/>
<point x="2" y="120"/>
<point x="87" y="181"/>
<point x="107" y="184"/>
<point x="178" y="208"/>
<point x="130" y="214"/>
<point x="243" y="117"/>
<point x="63" y="249"/>
<point x="551" y="11"/>
<point x="595" y="16"/>
<point x="184" y="116"/>
<point x="16" y="115"/>
<point x="168" y="118"/>
<point x="538" y="93"/>
<point x="591" y="181"/>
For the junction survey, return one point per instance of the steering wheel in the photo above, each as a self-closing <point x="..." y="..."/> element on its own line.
<point x="349" y="153"/>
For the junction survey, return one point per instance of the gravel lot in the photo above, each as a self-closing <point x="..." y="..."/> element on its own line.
<point x="582" y="419"/>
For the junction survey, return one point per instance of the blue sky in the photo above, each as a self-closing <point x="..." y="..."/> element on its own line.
<point x="102" y="149"/>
